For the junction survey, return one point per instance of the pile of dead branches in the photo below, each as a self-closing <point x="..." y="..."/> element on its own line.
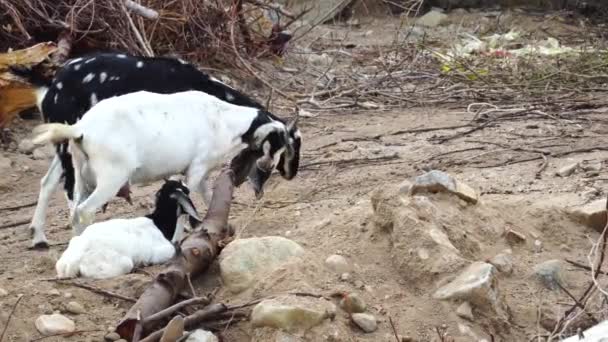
<point x="208" y="32"/>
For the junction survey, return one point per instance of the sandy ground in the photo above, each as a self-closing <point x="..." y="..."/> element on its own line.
<point x="346" y="156"/>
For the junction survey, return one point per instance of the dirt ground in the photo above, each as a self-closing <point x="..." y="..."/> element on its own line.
<point x="327" y="209"/>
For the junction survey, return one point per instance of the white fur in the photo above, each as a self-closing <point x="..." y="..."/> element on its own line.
<point x="142" y="137"/>
<point x="597" y="333"/>
<point x="112" y="248"/>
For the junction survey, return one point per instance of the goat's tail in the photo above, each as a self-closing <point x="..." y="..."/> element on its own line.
<point x="35" y="77"/>
<point x="55" y="133"/>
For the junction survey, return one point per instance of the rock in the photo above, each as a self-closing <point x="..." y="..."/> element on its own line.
<point x="337" y="263"/>
<point x="74" y="308"/>
<point x="404" y="187"/>
<point x="54" y="324"/>
<point x="592" y="215"/>
<point x="589" y="166"/>
<point x="174" y="330"/>
<point x="244" y="260"/>
<point x="291" y="313"/>
<point x="5" y="163"/>
<point x="432" y="18"/>
<point x="319" y="60"/>
<point x="3" y="292"/>
<point x="352" y="303"/>
<point x="345" y="276"/>
<point x="503" y="262"/>
<point x="200" y="335"/>
<point x="538" y="246"/>
<point x="113" y="336"/>
<point x="43" y="153"/>
<point x="548" y="273"/>
<point x="477" y="284"/>
<point x="567" y="170"/>
<point x="465" y="311"/>
<point x="54" y="292"/>
<point x="26" y="146"/>
<point x="366" y="322"/>
<point x="514" y="236"/>
<point x="439" y="181"/>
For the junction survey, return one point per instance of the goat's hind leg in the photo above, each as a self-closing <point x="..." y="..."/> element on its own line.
<point x="48" y="185"/>
<point x="108" y="182"/>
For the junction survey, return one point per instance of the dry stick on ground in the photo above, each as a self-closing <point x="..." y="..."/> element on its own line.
<point x="91" y="288"/>
<point x="10" y="315"/>
<point x="21" y="206"/>
<point x="195" y="255"/>
<point x="14" y="224"/>
<point x="585" y="267"/>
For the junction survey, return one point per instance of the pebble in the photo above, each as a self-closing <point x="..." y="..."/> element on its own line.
<point x="345" y="276"/>
<point x="548" y="273"/>
<point x="366" y="322"/>
<point x="465" y="311"/>
<point x="68" y="295"/>
<point x="352" y="303"/>
<point x="538" y="246"/>
<point x="75" y="308"/>
<point x="3" y="292"/>
<point x="503" y="262"/>
<point x="514" y="236"/>
<point x="113" y="336"/>
<point x="359" y="284"/>
<point x="201" y="335"/>
<point x="54" y="324"/>
<point x="337" y="263"/>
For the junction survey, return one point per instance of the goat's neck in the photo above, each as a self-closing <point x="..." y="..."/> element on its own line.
<point x="165" y="221"/>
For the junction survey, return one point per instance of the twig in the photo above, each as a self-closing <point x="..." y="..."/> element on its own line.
<point x="145" y="12"/>
<point x="390" y="319"/>
<point x="543" y="166"/>
<point x="14" y="224"/>
<point x="145" y="46"/>
<point x="170" y="310"/>
<point x="10" y="315"/>
<point x="585" y="267"/>
<point x="21" y="206"/>
<point x="91" y="288"/>
<point x="429" y="129"/>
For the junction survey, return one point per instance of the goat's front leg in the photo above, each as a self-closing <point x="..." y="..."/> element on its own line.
<point x="48" y="185"/>
<point x="196" y="180"/>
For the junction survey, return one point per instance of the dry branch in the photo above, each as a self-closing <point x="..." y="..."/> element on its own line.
<point x="143" y="11"/>
<point x="195" y="254"/>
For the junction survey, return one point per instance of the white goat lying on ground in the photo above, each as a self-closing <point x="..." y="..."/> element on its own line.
<point x="114" y="247"/>
<point x="142" y="137"/>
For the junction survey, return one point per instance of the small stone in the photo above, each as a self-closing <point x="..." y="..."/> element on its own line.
<point x="548" y="273"/>
<point x="514" y="236"/>
<point x="75" y="308"/>
<point x="359" y="284"/>
<point x="476" y="284"/>
<point x="439" y="181"/>
<point x="366" y="322"/>
<point x="345" y="276"/>
<point x="26" y="146"/>
<point x="113" y="336"/>
<point x="352" y="303"/>
<point x="5" y="163"/>
<point x="538" y="246"/>
<point x="592" y="215"/>
<point x="3" y="292"/>
<point x="404" y="187"/>
<point x="503" y="262"/>
<point x="54" y="292"/>
<point x="54" y="324"/>
<point x="291" y="313"/>
<point x="591" y="166"/>
<point x="68" y="295"/>
<point x="465" y="311"/>
<point x="43" y="153"/>
<point x="567" y="170"/>
<point x="564" y="248"/>
<point x="337" y="263"/>
<point x="432" y="18"/>
<point x="200" y="335"/>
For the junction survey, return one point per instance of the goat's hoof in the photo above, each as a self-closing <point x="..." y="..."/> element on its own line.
<point x="39" y="245"/>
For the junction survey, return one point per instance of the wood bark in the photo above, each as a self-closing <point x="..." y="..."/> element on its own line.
<point x="195" y="254"/>
<point x="143" y="11"/>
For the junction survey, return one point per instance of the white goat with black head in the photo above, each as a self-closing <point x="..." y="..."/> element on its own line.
<point x="114" y="247"/>
<point x="142" y="137"/>
<point x="83" y="82"/>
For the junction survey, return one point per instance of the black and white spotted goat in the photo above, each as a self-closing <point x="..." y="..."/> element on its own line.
<point x="114" y="247"/>
<point x="82" y="82"/>
<point x="143" y="137"/>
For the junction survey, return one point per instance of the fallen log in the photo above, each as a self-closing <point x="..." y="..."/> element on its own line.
<point x="195" y="254"/>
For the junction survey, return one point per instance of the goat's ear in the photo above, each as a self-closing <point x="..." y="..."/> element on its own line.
<point x="186" y="204"/>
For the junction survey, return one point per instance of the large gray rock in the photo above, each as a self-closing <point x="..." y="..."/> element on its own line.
<point x="292" y="313"/>
<point x="592" y="215"/>
<point x="54" y="324"/>
<point x="477" y="284"/>
<point x="439" y="181"/>
<point x="245" y="260"/>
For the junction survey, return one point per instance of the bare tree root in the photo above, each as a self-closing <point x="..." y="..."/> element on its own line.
<point x="195" y="254"/>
